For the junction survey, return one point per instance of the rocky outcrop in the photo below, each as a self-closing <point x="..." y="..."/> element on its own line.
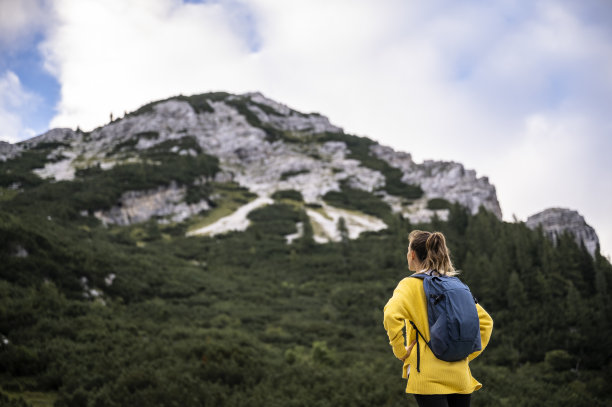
<point x="318" y="169"/>
<point x="284" y="118"/>
<point x="165" y="204"/>
<point x="444" y="179"/>
<point x="61" y="169"/>
<point x="8" y="151"/>
<point x="556" y="221"/>
<point x="61" y="135"/>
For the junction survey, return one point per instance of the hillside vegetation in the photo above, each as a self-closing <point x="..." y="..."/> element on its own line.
<point x="95" y="315"/>
<point x="245" y="319"/>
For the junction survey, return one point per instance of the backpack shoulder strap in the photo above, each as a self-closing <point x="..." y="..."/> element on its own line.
<point x="421" y="276"/>
<point x="418" y="333"/>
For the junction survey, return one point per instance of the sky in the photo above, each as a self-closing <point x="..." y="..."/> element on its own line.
<point x="520" y="91"/>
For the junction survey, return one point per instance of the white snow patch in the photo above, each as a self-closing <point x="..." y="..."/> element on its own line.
<point x="236" y="221"/>
<point x="355" y="223"/>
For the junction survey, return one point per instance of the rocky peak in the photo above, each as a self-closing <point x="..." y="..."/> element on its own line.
<point x="53" y="136"/>
<point x="263" y="146"/>
<point x="287" y="119"/>
<point x="556" y="221"/>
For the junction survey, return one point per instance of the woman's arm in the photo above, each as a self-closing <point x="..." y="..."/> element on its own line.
<point x="486" y="328"/>
<point x="395" y="316"/>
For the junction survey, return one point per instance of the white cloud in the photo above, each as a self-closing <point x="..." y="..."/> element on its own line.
<point x="558" y="161"/>
<point x="516" y="91"/>
<point x="112" y="56"/>
<point x="20" y="20"/>
<point x="15" y="102"/>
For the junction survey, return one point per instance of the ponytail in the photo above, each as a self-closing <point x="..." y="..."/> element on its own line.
<point x="432" y="251"/>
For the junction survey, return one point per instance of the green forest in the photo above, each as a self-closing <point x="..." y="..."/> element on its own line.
<point x="245" y="319"/>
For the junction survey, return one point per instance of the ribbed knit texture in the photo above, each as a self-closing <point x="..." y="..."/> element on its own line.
<point x="436" y="376"/>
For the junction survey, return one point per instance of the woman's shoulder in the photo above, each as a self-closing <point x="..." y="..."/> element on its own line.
<point x="410" y="283"/>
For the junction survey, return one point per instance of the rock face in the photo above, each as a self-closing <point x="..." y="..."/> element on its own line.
<point x="556" y="221"/>
<point x="8" y="151"/>
<point x="140" y="206"/>
<point x="286" y="119"/>
<point x="62" y="136"/>
<point x="444" y="179"/>
<point x="262" y="145"/>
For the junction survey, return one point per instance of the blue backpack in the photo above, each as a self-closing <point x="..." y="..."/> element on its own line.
<point x="454" y="326"/>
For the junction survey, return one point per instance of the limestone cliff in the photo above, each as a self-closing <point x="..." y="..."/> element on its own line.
<point x="556" y="221"/>
<point x="444" y="179"/>
<point x="263" y="146"/>
<point x="8" y="151"/>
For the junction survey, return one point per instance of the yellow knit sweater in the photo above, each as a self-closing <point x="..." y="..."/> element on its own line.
<point x="436" y="376"/>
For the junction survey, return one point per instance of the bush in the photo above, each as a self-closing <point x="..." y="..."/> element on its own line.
<point x="276" y="219"/>
<point x="288" y="194"/>
<point x="360" y="200"/>
<point x="274" y="212"/>
<point x="20" y="361"/>
<point x="559" y="360"/>
<point x="288" y="174"/>
<point x="438" y="203"/>
<point x="19" y="169"/>
<point x="7" y="401"/>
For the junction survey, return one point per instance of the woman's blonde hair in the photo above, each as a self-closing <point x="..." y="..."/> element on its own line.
<point x="432" y="252"/>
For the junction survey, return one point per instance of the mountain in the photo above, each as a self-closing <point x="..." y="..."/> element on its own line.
<point x="225" y="249"/>
<point x="263" y="146"/>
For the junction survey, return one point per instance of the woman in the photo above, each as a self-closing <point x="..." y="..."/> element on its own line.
<point x="436" y="383"/>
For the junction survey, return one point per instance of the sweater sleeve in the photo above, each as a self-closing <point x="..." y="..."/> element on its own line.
<point x="395" y="315"/>
<point x="486" y="328"/>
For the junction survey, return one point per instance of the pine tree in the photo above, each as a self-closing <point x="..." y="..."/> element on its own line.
<point x="516" y="295"/>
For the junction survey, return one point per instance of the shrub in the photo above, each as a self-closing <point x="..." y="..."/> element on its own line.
<point x="276" y="219"/>
<point x="559" y="360"/>
<point x="288" y="174"/>
<point x="438" y="203"/>
<point x="359" y="200"/>
<point x="19" y="169"/>
<point x="288" y="194"/>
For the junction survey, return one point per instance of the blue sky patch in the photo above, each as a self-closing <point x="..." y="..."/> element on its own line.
<point x="27" y="64"/>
